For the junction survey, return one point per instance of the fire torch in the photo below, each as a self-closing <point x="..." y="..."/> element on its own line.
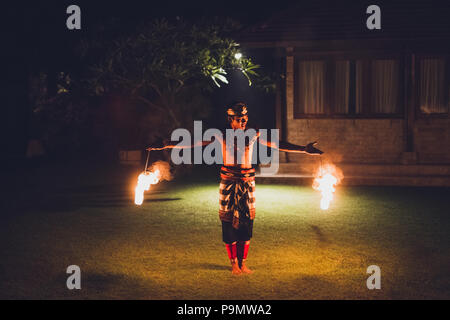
<point x="145" y="180"/>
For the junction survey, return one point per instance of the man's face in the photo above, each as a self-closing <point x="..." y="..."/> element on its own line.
<point x="239" y="122"/>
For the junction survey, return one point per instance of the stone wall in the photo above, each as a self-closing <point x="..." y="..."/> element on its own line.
<point x="432" y="141"/>
<point x="366" y="141"/>
<point x="351" y="140"/>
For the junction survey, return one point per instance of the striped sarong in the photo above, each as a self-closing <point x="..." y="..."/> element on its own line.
<point x="237" y="195"/>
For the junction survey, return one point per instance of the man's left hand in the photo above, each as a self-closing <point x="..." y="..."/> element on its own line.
<point x="311" y="149"/>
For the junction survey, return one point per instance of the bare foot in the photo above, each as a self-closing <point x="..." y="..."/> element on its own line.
<point x="245" y="269"/>
<point x="235" y="268"/>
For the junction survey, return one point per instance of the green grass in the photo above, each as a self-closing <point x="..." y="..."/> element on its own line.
<point x="171" y="248"/>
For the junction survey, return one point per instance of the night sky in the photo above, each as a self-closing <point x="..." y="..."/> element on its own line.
<point x="41" y="24"/>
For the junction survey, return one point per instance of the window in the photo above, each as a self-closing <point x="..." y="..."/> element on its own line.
<point x="347" y="87"/>
<point x="378" y="89"/>
<point x="311" y="87"/>
<point x="385" y="86"/>
<point x="433" y="91"/>
<point x="342" y="87"/>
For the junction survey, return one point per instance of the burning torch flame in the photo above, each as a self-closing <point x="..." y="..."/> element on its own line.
<point x="325" y="182"/>
<point x="145" y="180"/>
<point x="325" y="185"/>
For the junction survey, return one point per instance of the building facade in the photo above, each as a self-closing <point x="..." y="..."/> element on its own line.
<point x="377" y="101"/>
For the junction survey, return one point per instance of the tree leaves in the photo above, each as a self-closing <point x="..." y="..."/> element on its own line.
<point x="170" y="55"/>
<point x="167" y="66"/>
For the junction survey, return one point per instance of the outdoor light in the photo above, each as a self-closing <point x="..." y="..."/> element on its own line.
<point x="238" y="55"/>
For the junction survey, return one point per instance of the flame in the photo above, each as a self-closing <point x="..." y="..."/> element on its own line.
<point x="145" y="180"/>
<point x="326" y="179"/>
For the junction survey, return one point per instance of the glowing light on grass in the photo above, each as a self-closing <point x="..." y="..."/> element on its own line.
<point x="145" y="180"/>
<point x="325" y="181"/>
<point x="238" y="56"/>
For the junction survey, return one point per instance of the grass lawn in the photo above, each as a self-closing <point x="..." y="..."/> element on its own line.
<point x="171" y="248"/>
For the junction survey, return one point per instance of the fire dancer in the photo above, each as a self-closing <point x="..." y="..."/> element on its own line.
<point x="237" y="187"/>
